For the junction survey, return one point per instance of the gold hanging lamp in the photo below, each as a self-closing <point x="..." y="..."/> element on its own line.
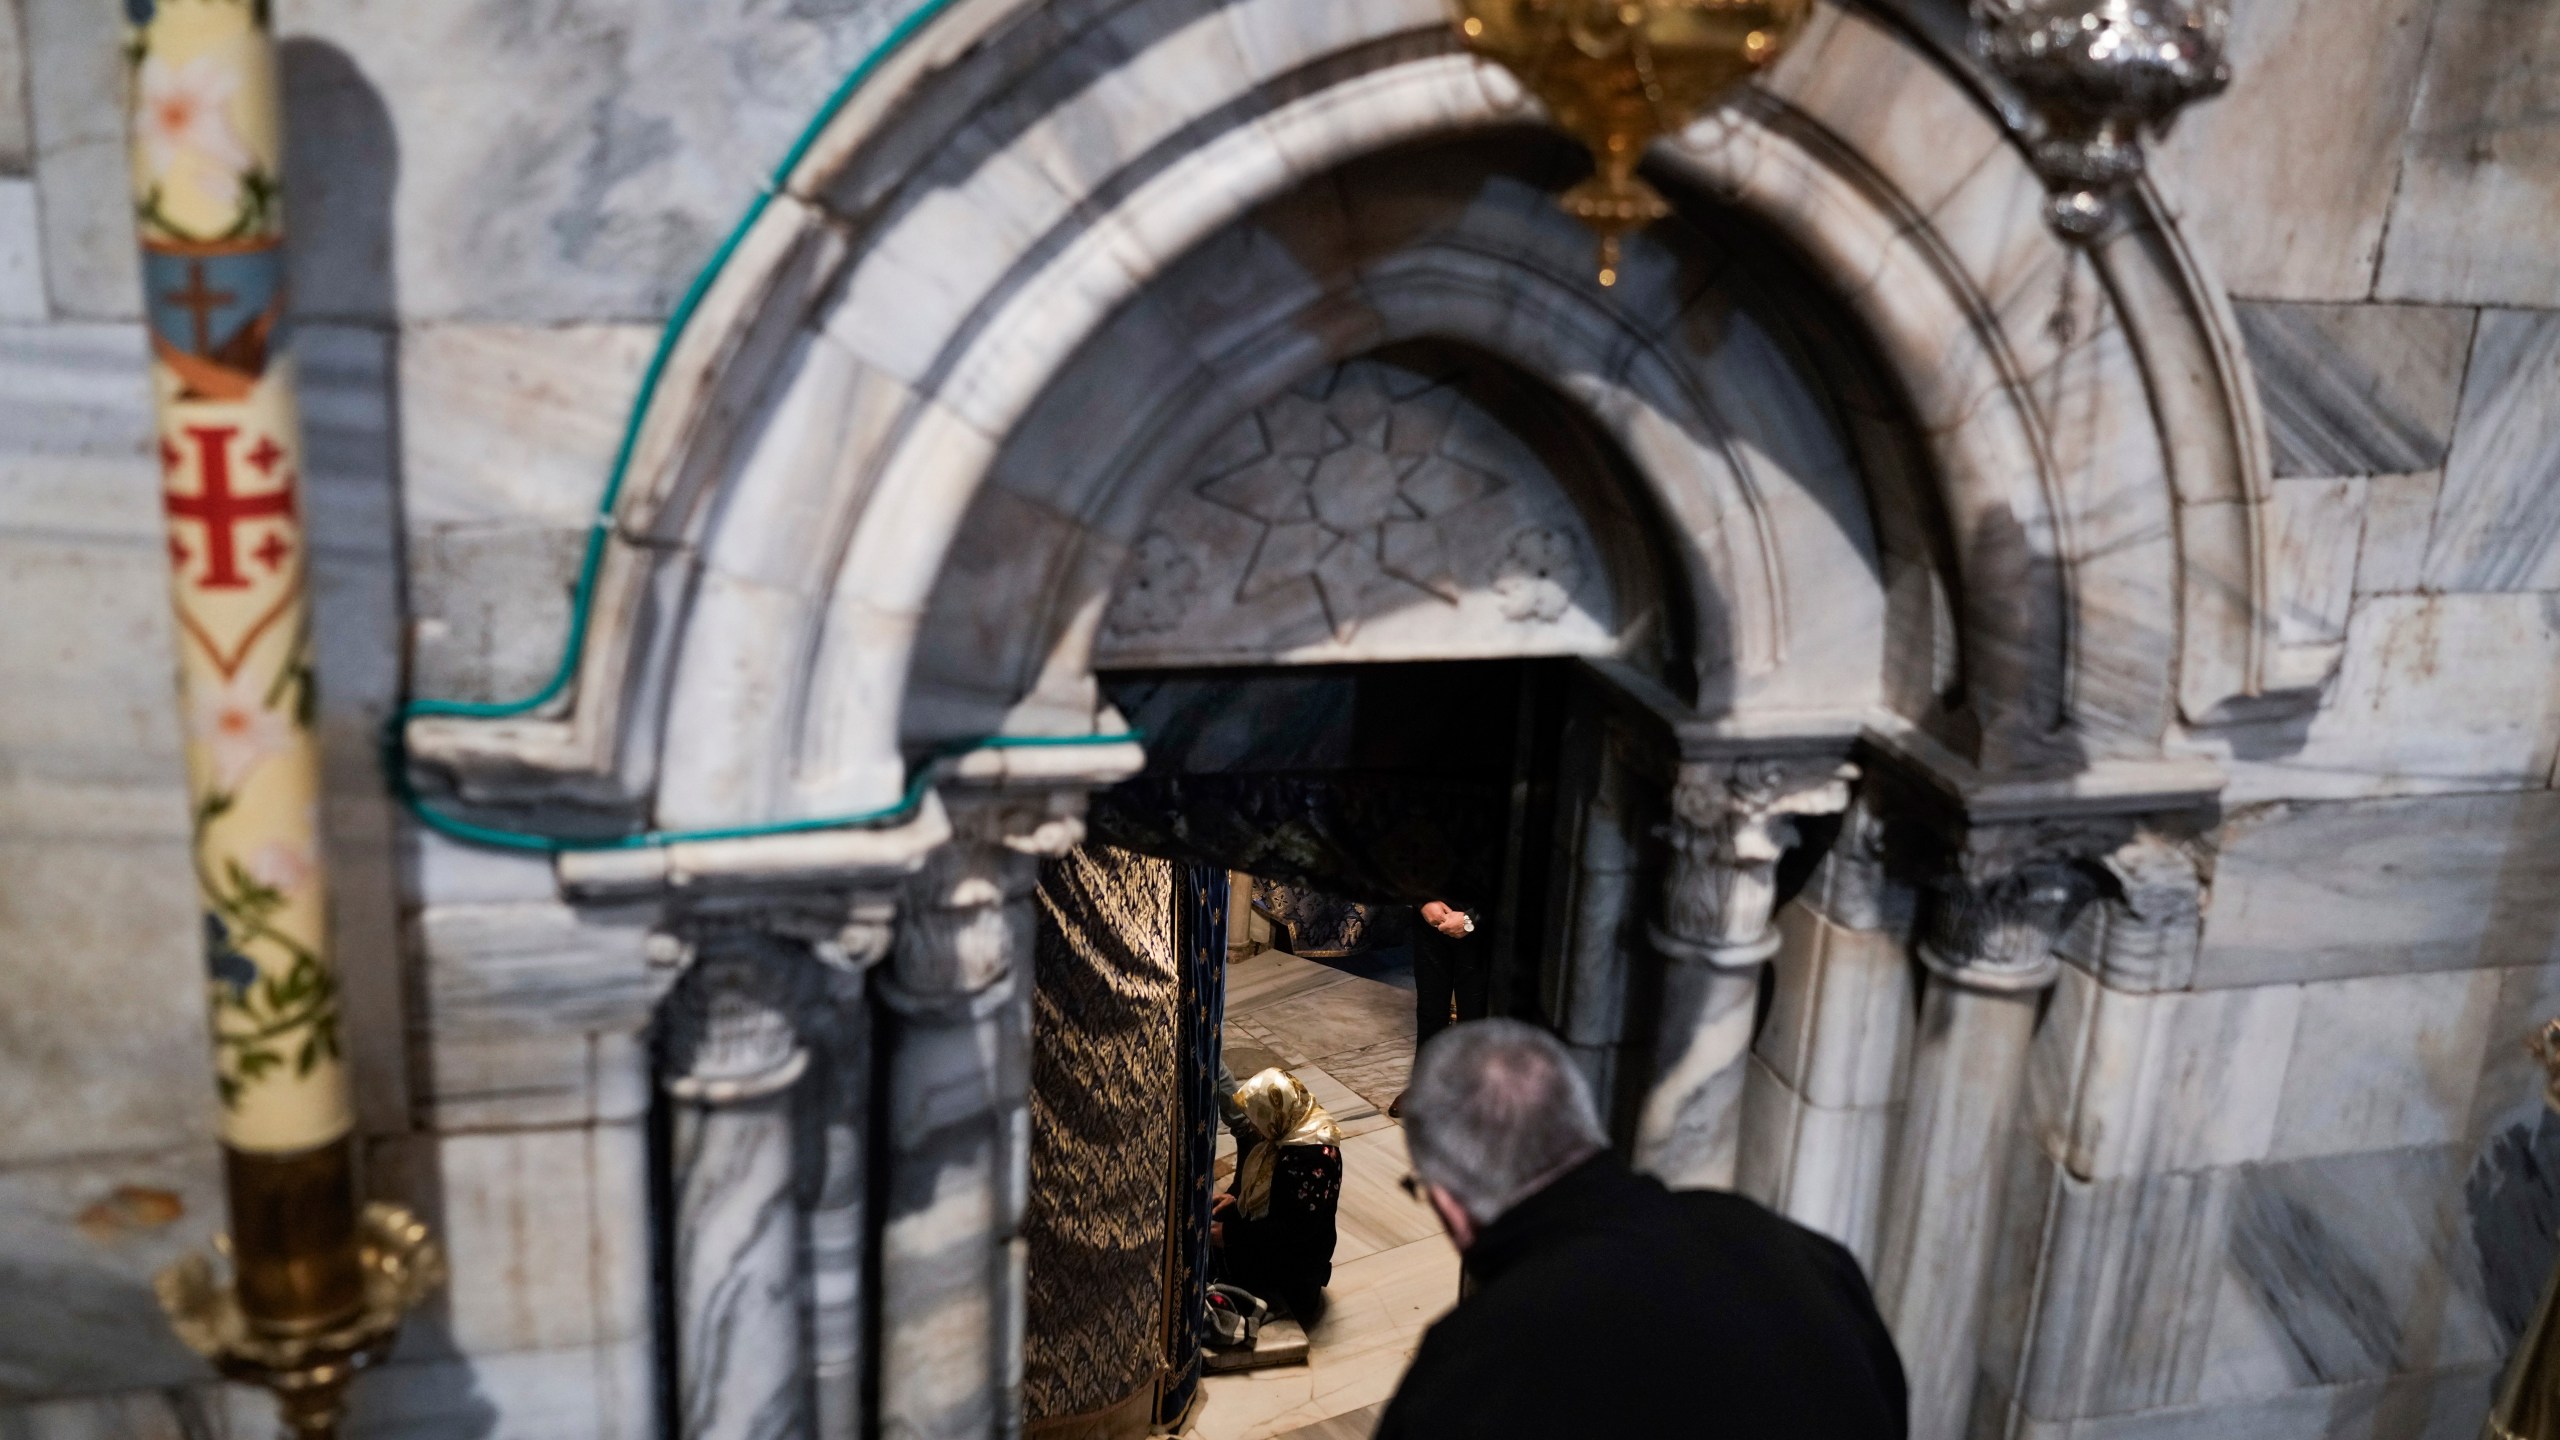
<point x="1619" y="74"/>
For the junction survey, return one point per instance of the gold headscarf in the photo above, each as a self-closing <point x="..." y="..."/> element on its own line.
<point x="1281" y="1112"/>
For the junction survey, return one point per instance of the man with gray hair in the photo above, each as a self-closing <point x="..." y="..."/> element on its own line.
<point x="1604" y="1304"/>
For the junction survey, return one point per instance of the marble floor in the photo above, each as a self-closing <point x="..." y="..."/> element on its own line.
<point x="1346" y="1030"/>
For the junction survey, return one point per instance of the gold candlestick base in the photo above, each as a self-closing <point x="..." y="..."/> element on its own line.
<point x="308" y="1373"/>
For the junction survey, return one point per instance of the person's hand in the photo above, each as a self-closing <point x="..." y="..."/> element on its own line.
<point x="1450" y="922"/>
<point x="1222" y="1202"/>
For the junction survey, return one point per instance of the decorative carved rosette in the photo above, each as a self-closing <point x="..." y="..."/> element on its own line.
<point x="1734" y="819"/>
<point x="2099" y="73"/>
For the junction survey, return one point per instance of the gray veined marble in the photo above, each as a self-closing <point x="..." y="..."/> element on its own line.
<point x="2473" y="211"/>
<point x="2356" y="389"/>
<point x="2514" y="1209"/>
<point x="734" y="1061"/>
<point x="2497" y="521"/>
<point x="2347" y="1268"/>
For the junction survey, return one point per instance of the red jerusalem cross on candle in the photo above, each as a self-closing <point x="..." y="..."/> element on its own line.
<point x="219" y="510"/>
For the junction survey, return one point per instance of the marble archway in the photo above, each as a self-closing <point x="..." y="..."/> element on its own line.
<point x="951" y="239"/>
<point x="1937" y="504"/>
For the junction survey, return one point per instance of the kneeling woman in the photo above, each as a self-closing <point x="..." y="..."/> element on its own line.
<point x="1273" y="1229"/>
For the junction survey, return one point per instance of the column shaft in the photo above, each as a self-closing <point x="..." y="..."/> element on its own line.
<point x="1943" y="1190"/>
<point x="1986" y="937"/>
<point x="1733" y="820"/>
<point x="958" y="1152"/>
<point x="734" y="1063"/>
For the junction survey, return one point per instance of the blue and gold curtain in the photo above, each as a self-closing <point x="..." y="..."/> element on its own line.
<point x="1200" y="951"/>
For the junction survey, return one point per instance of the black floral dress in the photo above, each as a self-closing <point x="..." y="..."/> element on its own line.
<point x="1286" y="1256"/>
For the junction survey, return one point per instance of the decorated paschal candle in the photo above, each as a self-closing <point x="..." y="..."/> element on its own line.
<point x="208" y="204"/>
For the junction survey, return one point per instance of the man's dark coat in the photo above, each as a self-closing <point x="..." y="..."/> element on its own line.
<point x="1606" y="1305"/>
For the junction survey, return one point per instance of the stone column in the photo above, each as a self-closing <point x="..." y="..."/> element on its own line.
<point x="958" y="1151"/>
<point x="1732" y="820"/>
<point x="1987" y="935"/>
<point x="1827" y="1070"/>
<point x="837" y="1215"/>
<point x="732" y="1060"/>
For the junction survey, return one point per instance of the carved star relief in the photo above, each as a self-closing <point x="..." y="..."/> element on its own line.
<point x="1349" y="488"/>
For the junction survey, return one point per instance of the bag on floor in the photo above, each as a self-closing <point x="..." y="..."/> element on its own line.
<point x="1235" y="1317"/>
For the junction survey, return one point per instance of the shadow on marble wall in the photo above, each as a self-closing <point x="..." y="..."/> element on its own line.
<point x="342" y="174"/>
<point x="342" y="167"/>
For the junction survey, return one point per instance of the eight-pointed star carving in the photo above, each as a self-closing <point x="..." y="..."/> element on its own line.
<point x="1350" y="487"/>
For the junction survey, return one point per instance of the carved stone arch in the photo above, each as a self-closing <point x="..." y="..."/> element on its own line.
<point x="1020" y="174"/>
<point x="1714" y="441"/>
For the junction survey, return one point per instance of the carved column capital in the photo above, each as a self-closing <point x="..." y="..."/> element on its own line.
<point x="1992" y="918"/>
<point x="2144" y="935"/>
<point x="730" y="1031"/>
<point x="1855" y="886"/>
<point x="968" y="911"/>
<point x="1733" y="820"/>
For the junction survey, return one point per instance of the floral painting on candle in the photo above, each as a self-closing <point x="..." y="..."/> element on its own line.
<point x="206" y="156"/>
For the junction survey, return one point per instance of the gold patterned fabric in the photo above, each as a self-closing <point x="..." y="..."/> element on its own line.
<point x="1105" y="1107"/>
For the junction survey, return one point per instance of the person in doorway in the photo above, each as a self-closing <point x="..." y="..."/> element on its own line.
<point x="1451" y="974"/>
<point x="1273" y="1231"/>
<point x="1604" y="1304"/>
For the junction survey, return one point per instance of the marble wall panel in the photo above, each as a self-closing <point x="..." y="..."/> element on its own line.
<point x="2477" y="199"/>
<point x="2497" y="521"/>
<point x="545" y="1231"/>
<point x="490" y="608"/>
<point x="2300" y="221"/>
<point x="2316" y="891"/>
<point x="2122" y="1084"/>
<point x="75" y="90"/>
<point x="87" y="696"/>
<point x="485" y="1082"/>
<point x="2384" y="1062"/>
<point x="2437" y="694"/>
<point x="76" y="433"/>
<point x="2440" y="1405"/>
<point x="1819" y="1165"/>
<point x="2356" y="389"/>
<point x="2103" y="1292"/>
<point x="2399" y="521"/>
<point x="569" y="162"/>
<point x="449" y="872"/>
<point x="79" y="1242"/>
<point x="536" y="966"/>
<point x="2318" y="527"/>
<point x="2347" y="1268"/>
<point x="102" y="1039"/>
<point x="513" y="424"/>
<point x="21" y="254"/>
<point x="2509" y="1091"/>
<point x="1839" y="1023"/>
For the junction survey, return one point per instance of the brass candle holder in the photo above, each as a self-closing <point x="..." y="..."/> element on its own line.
<point x="301" y="1312"/>
<point x="1619" y="74"/>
